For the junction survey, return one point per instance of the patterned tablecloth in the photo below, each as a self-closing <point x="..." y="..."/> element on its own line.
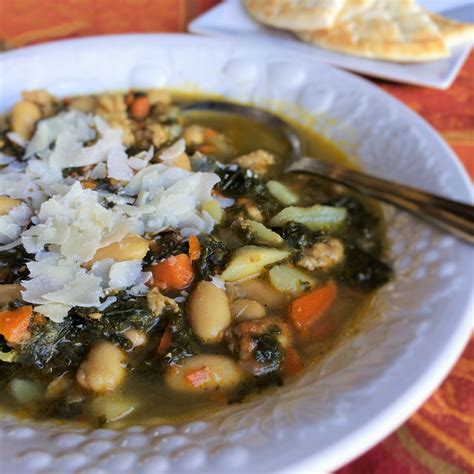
<point x="439" y="438"/>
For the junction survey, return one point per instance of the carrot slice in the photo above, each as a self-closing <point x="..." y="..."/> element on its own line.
<point x="198" y="377"/>
<point x="140" y="108"/>
<point x="174" y="273"/>
<point x="209" y="133"/>
<point x="292" y="363"/>
<point x="14" y="324"/>
<point x="194" y="248"/>
<point x="308" y="309"/>
<point x="165" y="342"/>
<point x="206" y="149"/>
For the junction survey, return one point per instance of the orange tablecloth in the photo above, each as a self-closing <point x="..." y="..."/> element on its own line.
<point x="439" y="438"/>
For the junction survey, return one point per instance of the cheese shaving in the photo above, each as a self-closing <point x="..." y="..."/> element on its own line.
<point x="70" y="223"/>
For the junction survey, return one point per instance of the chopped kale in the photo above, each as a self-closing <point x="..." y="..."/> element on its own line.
<point x="165" y="245"/>
<point x="214" y="256"/>
<point x="362" y="225"/>
<point x="268" y="351"/>
<point x="237" y="183"/>
<point x="183" y="343"/>
<point x="362" y="270"/>
<point x="298" y="236"/>
<point x="55" y="347"/>
<point x="13" y="265"/>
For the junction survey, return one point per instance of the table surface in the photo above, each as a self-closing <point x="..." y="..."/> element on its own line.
<point x="439" y="438"/>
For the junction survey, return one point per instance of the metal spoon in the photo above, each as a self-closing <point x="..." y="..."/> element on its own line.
<point x="451" y="216"/>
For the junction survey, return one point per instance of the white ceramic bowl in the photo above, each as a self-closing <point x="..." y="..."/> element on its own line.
<point x="371" y="383"/>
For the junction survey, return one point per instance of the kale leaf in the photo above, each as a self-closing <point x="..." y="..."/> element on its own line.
<point x="165" y="245"/>
<point x="298" y="236"/>
<point x="55" y="347"/>
<point x="183" y="341"/>
<point x="362" y="270"/>
<point x="214" y="256"/>
<point x="236" y="182"/>
<point x="13" y="265"/>
<point x="362" y="226"/>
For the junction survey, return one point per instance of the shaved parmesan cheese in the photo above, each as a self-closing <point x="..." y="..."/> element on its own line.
<point x="11" y="245"/>
<point x="172" y="197"/>
<point x="54" y="311"/>
<point x="172" y="152"/>
<point x="110" y="141"/>
<point x="13" y="223"/>
<point x="101" y="269"/>
<point x="72" y="224"/>
<point x="141" y="160"/>
<point x="108" y="301"/>
<point x="70" y="126"/>
<point x="83" y="290"/>
<point x="125" y="274"/>
<point x="15" y="138"/>
<point x="117" y="165"/>
<point x="5" y="159"/>
<point x="46" y="277"/>
<point x="99" y="171"/>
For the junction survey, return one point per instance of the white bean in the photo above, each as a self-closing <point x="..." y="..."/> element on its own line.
<point x="7" y="204"/>
<point x="131" y="247"/>
<point x="103" y="369"/>
<point x="246" y="310"/>
<point x="24" y="116"/>
<point x="204" y="372"/>
<point x="262" y="291"/>
<point x="111" y="407"/>
<point x="209" y="312"/>
<point x="137" y="338"/>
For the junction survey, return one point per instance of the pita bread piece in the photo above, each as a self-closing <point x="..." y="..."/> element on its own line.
<point x="398" y="30"/>
<point x="453" y="32"/>
<point x="295" y="14"/>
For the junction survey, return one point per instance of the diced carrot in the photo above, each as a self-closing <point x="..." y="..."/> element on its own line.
<point x="210" y="133"/>
<point x="174" y="273"/>
<point x="14" y="324"/>
<point x="206" y="149"/>
<point x="292" y="363"/>
<point x="165" y="342"/>
<point x="140" y="108"/>
<point x="307" y="310"/>
<point x="194" y="247"/>
<point x="198" y="377"/>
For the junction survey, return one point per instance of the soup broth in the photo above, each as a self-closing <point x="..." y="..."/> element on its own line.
<point x="156" y="265"/>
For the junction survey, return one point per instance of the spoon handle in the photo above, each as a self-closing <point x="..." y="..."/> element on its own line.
<point x="451" y="216"/>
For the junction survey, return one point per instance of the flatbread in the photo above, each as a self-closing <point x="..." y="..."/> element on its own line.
<point x="295" y="14"/>
<point x="453" y="32"/>
<point x="398" y="30"/>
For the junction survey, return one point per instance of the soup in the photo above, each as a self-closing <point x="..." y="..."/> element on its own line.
<point x="156" y="265"/>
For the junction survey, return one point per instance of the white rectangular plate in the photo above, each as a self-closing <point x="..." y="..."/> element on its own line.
<point x="230" y="19"/>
